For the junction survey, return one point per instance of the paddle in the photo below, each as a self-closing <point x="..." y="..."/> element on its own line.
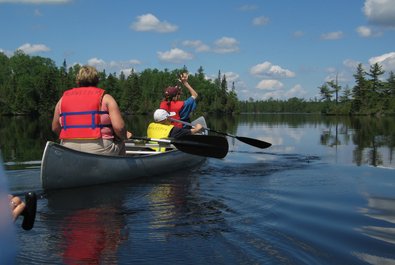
<point x="202" y="145"/>
<point x="247" y="140"/>
<point x="29" y="213"/>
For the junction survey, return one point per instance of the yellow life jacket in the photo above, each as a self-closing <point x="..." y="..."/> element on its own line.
<point x="159" y="131"/>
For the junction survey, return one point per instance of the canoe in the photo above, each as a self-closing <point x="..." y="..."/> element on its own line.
<point x="63" y="167"/>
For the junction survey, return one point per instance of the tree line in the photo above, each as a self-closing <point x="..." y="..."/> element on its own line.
<point x="31" y="85"/>
<point x="371" y="95"/>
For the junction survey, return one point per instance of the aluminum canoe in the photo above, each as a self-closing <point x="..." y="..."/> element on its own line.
<point x="63" y="167"/>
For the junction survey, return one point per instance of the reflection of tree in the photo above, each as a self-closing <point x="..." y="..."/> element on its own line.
<point x="21" y="138"/>
<point x="368" y="134"/>
<point x="337" y="127"/>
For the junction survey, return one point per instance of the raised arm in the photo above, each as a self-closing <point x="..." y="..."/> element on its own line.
<point x="184" y="80"/>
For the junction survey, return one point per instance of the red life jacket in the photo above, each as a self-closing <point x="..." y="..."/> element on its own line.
<point x="80" y="113"/>
<point x="175" y="106"/>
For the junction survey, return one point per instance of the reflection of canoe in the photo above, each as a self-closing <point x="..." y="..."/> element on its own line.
<point x="62" y="167"/>
<point x="65" y="168"/>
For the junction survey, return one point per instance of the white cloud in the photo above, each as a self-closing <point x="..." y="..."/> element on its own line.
<point x="149" y="22"/>
<point x="367" y="32"/>
<point x="260" y="21"/>
<point x="38" y="2"/>
<point x="198" y="45"/>
<point x="276" y="91"/>
<point x="332" y="35"/>
<point x="380" y="12"/>
<point x="117" y="66"/>
<point x="352" y="64"/>
<point x="267" y="69"/>
<point x="273" y="94"/>
<point x="387" y="61"/>
<point x="123" y="64"/>
<point x="226" y="45"/>
<point x="341" y="77"/>
<point x="270" y="84"/>
<point x="232" y="77"/>
<point x="364" y="31"/>
<point x="296" y="91"/>
<point x="175" y="55"/>
<point x="28" y="48"/>
<point x="222" y="45"/>
<point x="96" y="62"/>
<point x="7" y="53"/>
<point x="127" y="71"/>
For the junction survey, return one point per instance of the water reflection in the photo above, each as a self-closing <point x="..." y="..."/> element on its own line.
<point x="180" y="210"/>
<point x="371" y="140"/>
<point x="89" y="221"/>
<point x="382" y="209"/>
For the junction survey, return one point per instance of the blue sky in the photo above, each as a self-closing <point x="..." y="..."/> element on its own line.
<point x="268" y="48"/>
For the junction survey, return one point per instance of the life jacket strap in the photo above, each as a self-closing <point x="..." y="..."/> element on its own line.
<point x="93" y="125"/>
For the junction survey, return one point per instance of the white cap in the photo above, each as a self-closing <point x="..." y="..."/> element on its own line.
<point x="161" y="115"/>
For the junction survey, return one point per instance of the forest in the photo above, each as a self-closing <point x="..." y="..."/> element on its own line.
<point x="371" y="95"/>
<point x="31" y="85"/>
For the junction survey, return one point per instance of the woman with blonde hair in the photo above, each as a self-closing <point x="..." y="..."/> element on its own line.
<point x="87" y="119"/>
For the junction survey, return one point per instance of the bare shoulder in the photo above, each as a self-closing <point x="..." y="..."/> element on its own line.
<point x="107" y="97"/>
<point x="110" y="101"/>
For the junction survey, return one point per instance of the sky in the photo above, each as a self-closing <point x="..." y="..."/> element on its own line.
<point x="268" y="48"/>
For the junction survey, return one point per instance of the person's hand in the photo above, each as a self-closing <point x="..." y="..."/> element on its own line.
<point x="183" y="78"/>
<point x="16" y="205"/>
<point x="196" y="128"/>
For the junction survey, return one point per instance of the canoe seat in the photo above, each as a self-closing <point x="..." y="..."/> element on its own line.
<point x="140" y="148"/>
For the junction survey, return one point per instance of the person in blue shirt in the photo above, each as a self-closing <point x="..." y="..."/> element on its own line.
<point x="172" y="101"/>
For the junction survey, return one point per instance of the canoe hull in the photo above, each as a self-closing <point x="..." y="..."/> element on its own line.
<point x="66" y="168"/>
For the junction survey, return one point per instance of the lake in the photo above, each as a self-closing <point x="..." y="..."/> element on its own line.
<point x="323" y="193"/>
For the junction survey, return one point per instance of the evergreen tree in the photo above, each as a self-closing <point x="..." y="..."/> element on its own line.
<point x="376" y="89"/>
<point x="326" y="93"/>
<point x="390" y="93"/>
<point x="335" y="88"/>
<point x="359" y="91"/>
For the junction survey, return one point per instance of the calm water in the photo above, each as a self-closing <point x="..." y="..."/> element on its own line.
<point x="324" y="193"/>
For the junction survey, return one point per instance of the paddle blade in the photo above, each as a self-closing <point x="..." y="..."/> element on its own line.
<point x="203" y="145"/>
<point x="29" y="212"/>
<point x="254" y="142"/>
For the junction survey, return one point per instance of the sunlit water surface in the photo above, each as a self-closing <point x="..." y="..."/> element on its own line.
<point x="298" y="202"/>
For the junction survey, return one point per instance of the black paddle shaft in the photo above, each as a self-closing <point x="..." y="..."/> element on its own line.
<point x="247" y="140"/>
<point x="251" y="141"/>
